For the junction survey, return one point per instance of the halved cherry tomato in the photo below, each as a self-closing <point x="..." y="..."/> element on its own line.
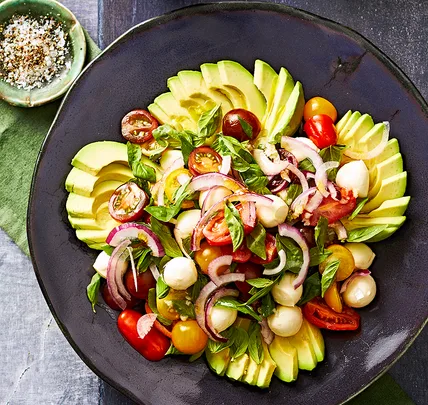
<point x="321" y="130"/>
<point x="108" y="299"/>
<point x="145" y="281"/>
<point x="251" y="270"/>
<point x="152" y="147"/>
<point x="153" y="346"/>
<point x="206" y="254"/>
<point x="138" y="125"/>
<point x="240" y="255"/>
<point x="188" y="337"/>
<point x="238" y="122"/>
<point x="127" y="202"/>
<point x="345" y="259"/>
<point x="333" y="299"/>
<point x="271" y="251"/>
<point x="204" y="160"/>
<point x="174" y="181"/>
<point x="319" y="314"/>
<point x="317" y="106"/>
<point x="165" y="306"/>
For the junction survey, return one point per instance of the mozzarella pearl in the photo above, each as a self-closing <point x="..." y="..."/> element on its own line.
<point x="286" y="321"/>
<point x="300" y="155"/>
<point x="214" y="196"/>
<point x="354" y="176"/>
<point x="101" y="264"/>
<point x="186" y="222"/>
<point x="222" y="318"/>
<point x="180" y="273"/>
<point x="360" y="291"/>
<point x="284" y="293"/>
<point x="274" y="214"/>
<point x="169" y="156"/>
<point x="363" y="255"/>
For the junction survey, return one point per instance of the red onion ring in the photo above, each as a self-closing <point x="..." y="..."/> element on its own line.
<point x="332" y="190"/>
<point x="280" y="267"/>
<point x="206" y="199"/>
<point x="340" y="230"/>
<point x="293" y="169"/>
<point x="154" y="270"/>
<point x="269" y="167"/>
<point x="134" y="269"/>
<point x="349" y="279"/>
<point x="266" y="332"/>
<point x="209" y="180"/>
<point x="300" y="202"/>
<point x="225" y="164"/>
<point x="289" y="144"/>
<point x="321" y="176"/>
<point x="314" y="202"/>
<point x="215" y="265"/>
<point x="145" y="324"/>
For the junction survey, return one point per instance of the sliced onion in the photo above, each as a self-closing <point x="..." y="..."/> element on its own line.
<point x="134" y="269"/>
<point x="133" y="231"/>
<point x="321" y="176"/>
<point x="281" y="186"/>
<point x="226" y="164"/>
<point x="314" y="202"/>
<point x="158" y="325"/>
<point x="375" y="151"/>
<point x="332" y="190"/>
<point x="145" y="324"/>
<point x="198" y="232"/>
<point x="291" y="144"/>
<point x="183" y="178"/>
<point x="349" y="279"/>
<point x="209" y="180"/>
<point x="159" y="188"/>
<point x="220" y="293"/>
<point x="215" y="265"/>
<point x="300" y="202"/>
<point x="206" y="293"/>
<point x="340" y="230"/>
<point x="154" y="270"/>
<point x="310" y="175"/>
<point x="206" y="199"/>
<point x="280" y="267"/>
<point x="268" y="167"/>
<point x="116" y="269"/>
<point x="266" y="332"/>
<point x="294" y="233"/>
<point x="302" y="178"/>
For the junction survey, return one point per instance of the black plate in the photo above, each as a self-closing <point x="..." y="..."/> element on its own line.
<point x="329" y="60"/>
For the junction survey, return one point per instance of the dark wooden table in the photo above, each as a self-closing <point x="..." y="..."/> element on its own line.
<point x="37" y="364"/>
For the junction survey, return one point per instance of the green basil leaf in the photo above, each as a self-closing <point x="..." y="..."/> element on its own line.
<point x="268" y="305"/>
<point x="358" y="208"/>
<point x="260" y="282"/>
<point x="307" y="165"/>
<point x="164" y="234"/>
<point x="201" y="282"/>
<point x="215" y="347"/>
<point x="363" y="234"/>
<point x="255" y="179"/>
<point x="186" y="245"/>
<point x="240" y="343"/>
<point x="144" y="172"/>
<point x="186" y="148"/>
<point x="228" y="146"/>
<point x="292" y="251"/>
<point x="318" y="257"/>
<point x="246" y="127"/>
<point x="235" y="225"/>
<point x="209" y="122"/>
<point x="92" y="290"/>
<point x="329" y="276"/>
<point x="162" y="262"/>
<point x="108" y="249"/>
<point x="151" y="301"/>
<point x="166" y="134"/>
<point x="332" y="154"/>
<point x="184" y="308"/>
<point x="143" y="260"/>
<point x="293" y="191"/>
<point x="173" y="351"/>
<point x="196" y="356"/>
<point x="162" y="289"/>
<point x="255" y="346"/>
<point x="321" y="233"/>
<point x="256" y="241"/>
<point x="262" y="292"/>
<point x="311" y="288"/>
<point x="230" y="302"/>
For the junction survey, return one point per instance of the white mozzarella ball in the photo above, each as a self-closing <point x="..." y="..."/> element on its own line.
<point x="363" y="255"/>
<point x="222" y="318"/>
<point x="300" y="155"/>
<point x="360" y="291"/>
<point x="354" y="176"/>
<point x="286" y="321"/>
<point x="274" y="214"/>
<point x="186" y="222"/>
<point x="284" y="293"/>
<point x="169" y="156"/>
<point x="180" y="273"/>
<point x="214" y="196"/>
<point x="101" y="264"/>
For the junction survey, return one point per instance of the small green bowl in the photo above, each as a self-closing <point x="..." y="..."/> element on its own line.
<point x="59" y="85"/>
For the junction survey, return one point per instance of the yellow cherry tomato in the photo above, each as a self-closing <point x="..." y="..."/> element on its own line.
<point x="188" y="337"/>
<point x="165" y="305"/>
<point x="172" y="184"/>
<point x="345" y="258"/>
<point x="332" y="298"/>
<point x="206" y="254"/>
<point x="319" y="105"/>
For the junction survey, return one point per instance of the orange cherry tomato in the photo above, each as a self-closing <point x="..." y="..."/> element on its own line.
<point x="319" y="105"/>
<point x="188" y="337"/>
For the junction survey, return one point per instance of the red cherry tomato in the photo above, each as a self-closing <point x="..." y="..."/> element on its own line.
<point x="138" y="125"/>
<point x="319" y="314"/>
<point x="240" y="255"/>
<point x="271" y="251"/>
<point x="145" y="281"/>
<point x="153" y="346"/>
<point x="108" y="299"/>
<point x="321" y="130"/>
<point x="251" y="270"/>
<point x="127" y="202"/>
<point x="241" y="124"/>
<point x="204" y="160"/>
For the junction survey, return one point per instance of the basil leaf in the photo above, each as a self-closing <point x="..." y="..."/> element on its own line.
<point x="164" y="234"/>
<point x="332" y="154"/>
<point x="173" y="351"/>
<point x="92" y="290"/>
<point x="255" y="346"/>
<point x="209" y="122"/>
<point x="311" y="288"/>
<point x="235" y="225"/>
<point x="260" y="282"/>
<point x="358" y="208"/>
<point x="197" y="287"/>
<point x="292" y="251"/>
<point x="166" y="134"/>
<point x="363" y="234"/>
<point x="255" y="179"/>
<point x="240" y="343"/>
<point x="230" y="302"/>
<point x="262" y="292"/>
<point x="215" y="347"/>
<point x="162" y="289"/>
<point x="321" y="233"/>
<point x="256" y="241"/>
<point x="196" y="356"/>
<point x="143" y="260"/>
<point x="184" y="308"/>
<point x="108" y="249"/>
<point x="186" y="246"/>
<point x="293" y="191"/>
<point x="139" y="169"/>
<point x="307" y="165"/>
<point x="162" y="262"/>
<point x="246" y="127"/>
<point x="151" y="301"/>
<point x="268" y="305"/>
<point x="186" y="148"/>
<point x="228" y="146"/>
<point x="329" y="276"/>
<point x="318" y="257"/>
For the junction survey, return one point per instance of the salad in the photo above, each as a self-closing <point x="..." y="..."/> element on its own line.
<point x="234" y="222"/>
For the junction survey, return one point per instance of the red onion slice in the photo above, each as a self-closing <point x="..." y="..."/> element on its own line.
<point x="280" y="267"/>
<point x="290" y="144"/>
<point x="314" y="202"/>
<point x="209" y="180"/>
<point x="134" y="269"/>
<point x="340" y="230"/>
<point x="206" y="199"/>
<point x="266" y="332"/>
<point x="299" y="204"/>
<point x="321" y="176"/>
<point x="302" y="178"/>
<point x="145" y="324"/>
<point x="268" y="167"/>
<point x="332" y="190"/>
<point x="349" y="279"/>
<point x="154" y="270"/>
<point x="133" y="231"/>
<point x="215" y="265"/>
<point x="225" y="164"/>
<point x="294" y="233"/>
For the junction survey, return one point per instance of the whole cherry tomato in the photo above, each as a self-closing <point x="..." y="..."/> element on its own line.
<point x="145" y="281"/>
<point x="319" y="105"/>
<point x="321" y="130"/>
<point x="204" y="160"/>
<point x="241" y="124"/>
<point x="206" y="254"/>
<point x="127" y="202"/>
<point x="108" y="299"/>
<point x="188" y="337"/>
<point x="138" y="126"/>
<point x="153" y="346"/>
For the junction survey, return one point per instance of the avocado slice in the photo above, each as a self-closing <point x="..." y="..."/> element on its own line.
<point x="373" y="137"/>
<point x="355" y="116"/>
<point x="266" y="79"/>
<point x="285" y="356"/>
<point x="363" y="221"/>
<point x="291" y="116"/>
<point x="252" y="373"/>
<point x="391" y="208"/>
<point x="218" y="362"/>
<point x="392" y="187"/>
<point x="317" y="339"/>
<point x="383" y="170"/>
<point x="341" y="123"/>
<point x="392" y="147"/>
<point x="306" y="355"/>
<point x="363" y="125"/>
<point x="386" y="233"/>
<point x="162" y="116"/>
<point x="93" y="157"/>
<point x="92" y="236"/>
<point x="97" y="246"/>
<point x="237" y="367"/>
<point x="101" y="221"/>
<point x="267" y="368"/>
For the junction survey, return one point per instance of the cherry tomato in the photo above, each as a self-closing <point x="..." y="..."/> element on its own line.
<point x="233" y="123"/>
<point x="333" y="299"/>
<point x="206" y="254"/>
<point x="138" y="125"/>
<point x="319" y="314"/>
<point x="251" y="270"/>
<point x="165" y="307"/>
<point x="308" y="233"/>
<point x="174" y="181"/>
<point x="240" y="255"/>
<point x="108" y="299"/>
<point x="127" y="202"/>
<point x="204" y="160"/>
<point x="271" y="251"/>
<point x="321" y="130"/>
<point x="188" y="337"/>
<point x="317" y="106"/>
<point x="152" y="147"/>
<point x="145" y="281"/>
<point x="345" y="258"/>
<point x="153" y="346"/>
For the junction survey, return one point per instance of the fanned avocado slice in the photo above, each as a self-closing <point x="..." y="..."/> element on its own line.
<point x="218" y="362"/>
<point x="285" y="356"/>
<point x="392" y="147"/>
<point x="237" y="367"/>
<point x="363" y="125"/>
<point x="342" y="122"/>
<point x="266" y="79"/>
<point x="383" y="170"/>
<point x="267" y="368"/>
<point x="391" y="208"/>
<point x="355" y="116"/>
<point x="373" y="137"/>
<point x="252" y="373"/>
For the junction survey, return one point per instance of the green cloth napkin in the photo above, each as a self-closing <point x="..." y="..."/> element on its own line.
<point x="22" y="131"/>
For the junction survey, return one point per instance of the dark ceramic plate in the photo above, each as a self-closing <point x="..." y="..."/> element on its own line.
<point x="329" y="60"/>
